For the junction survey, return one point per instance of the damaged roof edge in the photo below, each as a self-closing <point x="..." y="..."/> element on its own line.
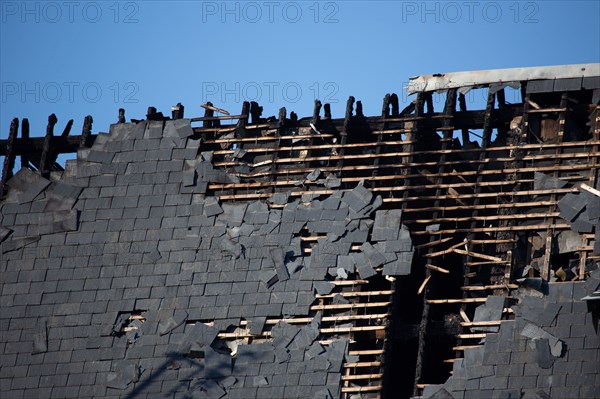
<point x="444" y="81"/>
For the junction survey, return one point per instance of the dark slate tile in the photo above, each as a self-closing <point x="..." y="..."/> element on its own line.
<point x="544" y="357"/>
<point x="387" y="225"/>
<point x="546" y="182"/>
<point x="323" y="287"/>
<point x="568" y="84"/>
<point x="256" y="325"/>
<point x="571" y="205"/>
<point x="591" y="82"/>
<point x="212" y="207"/>
<point x="169" y="324"/>
<point x="210" y="388"/>
<point x="540" y="86"/>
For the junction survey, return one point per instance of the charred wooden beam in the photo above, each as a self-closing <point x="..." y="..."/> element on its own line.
<point x="327" y="111"/>
<point x="344" y="133"/>
<point x="67" y="129"/>
<point x="47" y="149"/>
<point x="177" y="111"/>
<point x="208" y="114"/>
<point x="85" y="140"/>
<point x="25" y="137"/>
<point x="317" y="109"/>
<point x="9" y="160"/>
<point x="121" y="115"/>
<point x="255" y="112"/>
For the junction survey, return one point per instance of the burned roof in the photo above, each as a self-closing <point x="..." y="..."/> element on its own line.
<point x="392" y="256"/>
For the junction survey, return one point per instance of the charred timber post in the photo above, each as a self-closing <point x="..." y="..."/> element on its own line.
<point x="344" y="134"/>
<point x="255" y="112"/>
<point x="278" y="133"/>
<point x="25" y="138"/>
<point x="281" y="120"/>
<point x="208" y="113"/>
<point x="240" y="127"/>
<point x="393" y="326"/>
<point x="121" y="115"/>
<point x="429" y="102"/>
<point x="385" y="113"/>
<point x="327" y="111"/>
<point x="67" y="129"/>
<point x="316" y="111"/>
<point x="177" y="111"/>
<point x="86" y="132"/>
<point x="449" y="109"/>
<point x="411" y="137"/>
<point x="394" y="104"/>
<point x="46" y="156"/>
<point x="409" y="148"/>
<point x="462" y="106"/>
<point x="9" y="160"/>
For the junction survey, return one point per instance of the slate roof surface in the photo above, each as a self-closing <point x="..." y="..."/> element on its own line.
<point x="118" y="278"/>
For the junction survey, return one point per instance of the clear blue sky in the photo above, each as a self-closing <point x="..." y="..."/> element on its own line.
<point x="93" y="57"/>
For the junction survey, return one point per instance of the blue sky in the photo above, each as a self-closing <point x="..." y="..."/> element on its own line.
<point x="94" y="57"/>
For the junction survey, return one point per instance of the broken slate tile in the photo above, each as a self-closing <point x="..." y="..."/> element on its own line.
<point x="282" y="355"/>
<point x="534" y="333"/>
<point x="332" y="182"/>
<point x="228" y="382"/>
<point x="373" y="256"/>
<point x="323" y="287"/>
<point x="314" y="175"/>
<point x="212" y="207"/>
<point x="4" y="232"/>
<point x="61" y="196"/>
<point x="339" y="299"/>
<point x="358" y="198"/>
<point x="546" y="182"/>
<point x="217" y="364"/>
<point x="233" y="214"/>
<point x="168" y="325"/>
<point x="209" y="388"/>
<point x="279" y="198"/>
<point x="570" y="206"/>
<point x="387" y="225"/>
<point x="27" y="185"/>
<point x="198" y="336"/>
<point x="256" y="325"/>
<point x="544" y="357"/>
<point x="268" y="277"/>
<point x="490" y="311"/>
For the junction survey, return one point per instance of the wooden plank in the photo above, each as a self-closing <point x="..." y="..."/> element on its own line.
<point x="590" y="190"/>
<point x="478" y="255"/>
<point x="437" y="268"/>
<point x="350" y="306"/>
<point x="361" y="389"/>
<point x="362" y="377"/>
<point x="434" y="243"/>
<point x="462" y="300"/>
<point x="490" y="287"/>
<point x="471" y="336"/>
